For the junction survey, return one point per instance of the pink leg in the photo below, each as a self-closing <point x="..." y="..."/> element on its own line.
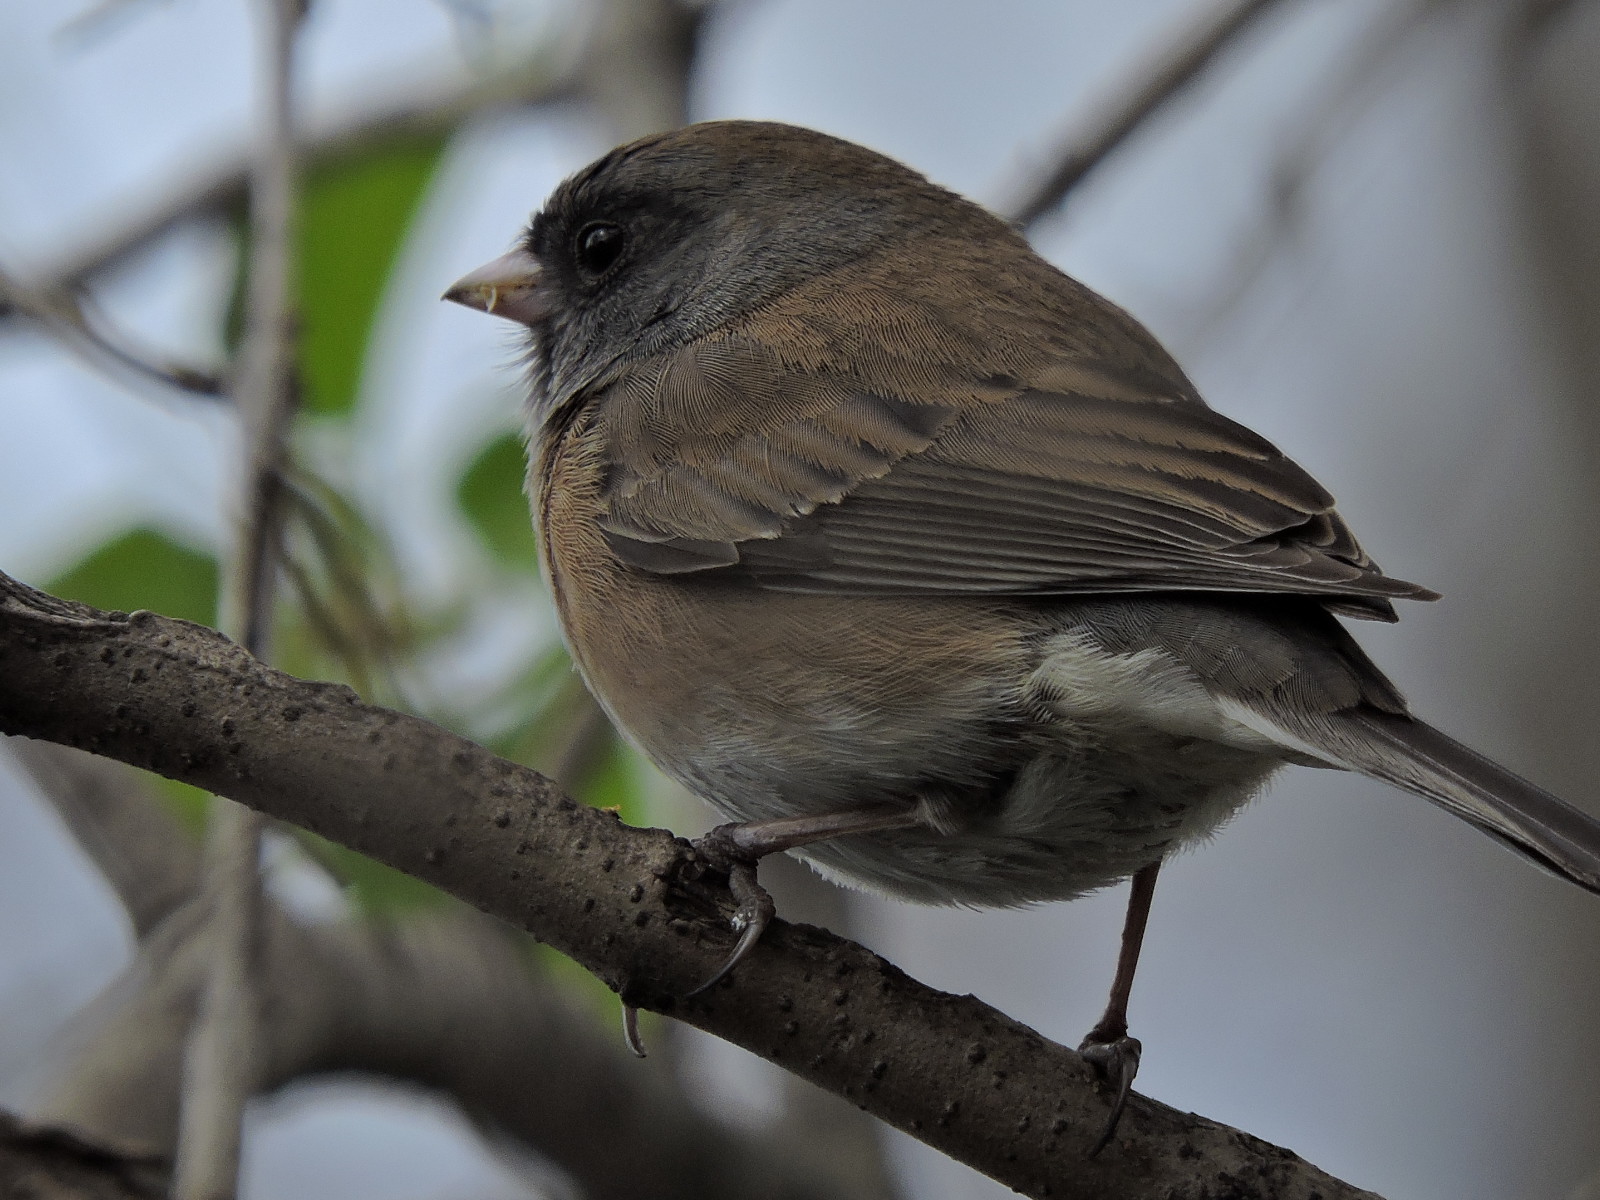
<point x="1114" y="1054"/>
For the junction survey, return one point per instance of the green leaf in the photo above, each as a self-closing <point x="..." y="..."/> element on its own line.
<point x="353" y="221"/>
<point x="189" y="804"/>
<point x="376" y="889"/>
<point x="490" y="494"/>
<point x="144" y="569"/>
<point x="617" y="783"/>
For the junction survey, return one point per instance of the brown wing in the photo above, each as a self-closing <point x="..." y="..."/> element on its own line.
<point x="723" y="446"/>
<point x="744" y="460"/>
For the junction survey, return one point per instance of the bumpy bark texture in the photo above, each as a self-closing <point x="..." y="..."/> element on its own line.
<point x="630" y="905"/>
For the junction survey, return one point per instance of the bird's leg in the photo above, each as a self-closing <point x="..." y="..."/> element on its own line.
<point x="739" y="846"/>
<point x="1114" y="1054"/>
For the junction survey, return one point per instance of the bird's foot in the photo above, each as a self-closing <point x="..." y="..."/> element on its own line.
<point x="728" y="848"/>
<point x="1115" y="1058"/>
<point x="736" y="849"/>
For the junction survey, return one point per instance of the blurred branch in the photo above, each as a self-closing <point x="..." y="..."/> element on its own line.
<point x="97" y="20"/>
<point x="61" y="316"/>
<point x="149" y="861"/>
<point x="1534" y="20"/>
<point x="223" y="183"/>
<point x="585" y="742"/>
<point x="219" y="1062"/>
<point x="633" y="906"/>
<point x="1151" y="88"/>
<point x="449" y="1002"/>
<point x="658" y="41"/>
<point x="224" y="1038"/>
<point x="51" y="1164"/>
<point x="584" y="63"/>
<point x="1330" y="118"/>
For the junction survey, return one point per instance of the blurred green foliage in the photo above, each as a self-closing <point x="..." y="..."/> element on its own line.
<point x="491" y="495"/>
<point x="144" y="568"/>
<point x="354" y="217"/>
<point x="613" y="782"/>
<point x="191" y="805"/>
<point x="344" y="611"/>
<point x="375" y="889"/>
<point x="355" y="213"/>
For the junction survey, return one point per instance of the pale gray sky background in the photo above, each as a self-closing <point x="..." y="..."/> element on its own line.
<point x="1344" y="970"/>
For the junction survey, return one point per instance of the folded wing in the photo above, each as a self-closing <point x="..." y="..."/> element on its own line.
<point x="731" y="460"/>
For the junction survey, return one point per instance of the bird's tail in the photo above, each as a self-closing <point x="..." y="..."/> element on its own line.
<point x="1417" y="757"/>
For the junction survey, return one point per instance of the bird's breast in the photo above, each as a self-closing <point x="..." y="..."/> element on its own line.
<point x="769" y="703"/>
<point x="1063" y="766"/>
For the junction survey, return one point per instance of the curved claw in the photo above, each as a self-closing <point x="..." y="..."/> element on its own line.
<point x="754" y="914"/>
<point x="739" y="846"/>
<point x="1117" y="1062"/>
<point x="630" y="1030"/>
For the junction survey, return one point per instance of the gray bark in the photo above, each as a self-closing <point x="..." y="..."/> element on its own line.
<point x="633" y="906"/>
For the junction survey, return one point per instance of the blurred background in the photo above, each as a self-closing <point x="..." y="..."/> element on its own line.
<point x="1370" y="230"/>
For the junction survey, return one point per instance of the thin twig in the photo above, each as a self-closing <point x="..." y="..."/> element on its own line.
<point x="1343" y="102"/>
<point x="60" y="315"/>
<point x="640" y="62"/>
<point x="220" y="1068"/>
<point x="584" y="743"/>
<point x="1533" y="21"/>
<point x="1174" y="70"/>
<point x="547" y="77"/>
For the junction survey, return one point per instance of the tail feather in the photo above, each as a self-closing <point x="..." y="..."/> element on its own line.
<point x="1417" y="757"/>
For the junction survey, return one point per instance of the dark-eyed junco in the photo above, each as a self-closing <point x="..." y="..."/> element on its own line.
<point x="910" y="553"/>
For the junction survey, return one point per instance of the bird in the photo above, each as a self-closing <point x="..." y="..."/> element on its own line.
<point x="919" y="559"/>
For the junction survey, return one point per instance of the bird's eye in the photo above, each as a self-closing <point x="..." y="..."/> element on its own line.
<point x="599" y="244"/>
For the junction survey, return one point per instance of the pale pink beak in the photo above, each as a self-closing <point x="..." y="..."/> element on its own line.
<point x="507" y="287"/>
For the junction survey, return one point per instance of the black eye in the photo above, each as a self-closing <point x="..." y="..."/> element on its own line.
<point x="599" y="244"/>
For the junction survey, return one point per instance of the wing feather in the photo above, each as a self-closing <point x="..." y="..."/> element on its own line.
<point x="742" y="458"/>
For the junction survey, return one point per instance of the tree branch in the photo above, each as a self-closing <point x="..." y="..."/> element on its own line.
<point x="658" y="41"/>
<point x="555" y="73"/>
<point x="61" y="315"/>
<point x="49" y="1164"/>
<point x="219" y="1062"/>
<point x="445" y="1000"/>
<point x="450" y="1002"/>
<point x="631" y="905"/>
<point x="1149" y="91"/>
